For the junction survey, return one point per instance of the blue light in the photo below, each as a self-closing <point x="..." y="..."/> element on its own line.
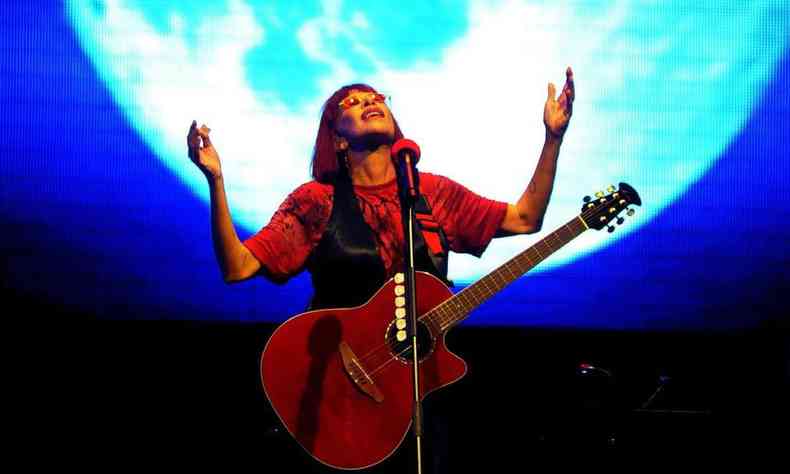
<point x="671" y="99"/>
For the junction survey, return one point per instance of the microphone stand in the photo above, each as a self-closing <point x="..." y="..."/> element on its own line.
<point x="408" y="183"/>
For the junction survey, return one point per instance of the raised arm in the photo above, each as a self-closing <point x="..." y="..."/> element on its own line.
<point x="526" y="215"/>
<point x="235" y="261"/>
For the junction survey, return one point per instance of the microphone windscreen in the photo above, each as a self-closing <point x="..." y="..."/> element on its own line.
<point x="402" y="146"/>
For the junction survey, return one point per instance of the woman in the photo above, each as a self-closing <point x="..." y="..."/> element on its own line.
<point x="354" y="139"/>
<point x="345" y="226"/>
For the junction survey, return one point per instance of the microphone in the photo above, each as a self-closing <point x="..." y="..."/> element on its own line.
<point x="405" y="149"/>
<point x="405" y="153"/>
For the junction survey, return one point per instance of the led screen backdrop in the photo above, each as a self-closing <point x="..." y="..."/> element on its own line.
<point x="685" y="101"/>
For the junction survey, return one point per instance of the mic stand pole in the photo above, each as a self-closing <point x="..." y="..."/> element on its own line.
<point x="409" y="191"/>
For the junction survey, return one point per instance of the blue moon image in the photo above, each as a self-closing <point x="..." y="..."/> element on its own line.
<point x="686" y="102"/>
<point x="467" y="81"/>
<point x="665" y="331"/>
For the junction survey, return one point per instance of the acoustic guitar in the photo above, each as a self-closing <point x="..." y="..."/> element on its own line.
<point x="340" y="379"/>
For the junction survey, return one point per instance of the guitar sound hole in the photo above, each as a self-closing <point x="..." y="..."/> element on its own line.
<point x="402" y="350"/>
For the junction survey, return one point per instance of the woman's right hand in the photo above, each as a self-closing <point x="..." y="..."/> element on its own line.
<point x="202" y="152"/>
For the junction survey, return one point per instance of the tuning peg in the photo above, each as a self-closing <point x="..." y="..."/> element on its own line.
<point x="610" y="189"/>
<point x="610" y="228"/>
<point x="599" y="194"/>
<point x="630" y="212"/>
<point x="620" y="220"/>
<point x="586" y="199"/>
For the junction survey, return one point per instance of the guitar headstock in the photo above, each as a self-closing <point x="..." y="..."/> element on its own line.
<point x="599" y="212"/>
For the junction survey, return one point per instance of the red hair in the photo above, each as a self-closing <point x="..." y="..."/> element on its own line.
<point x="327" y="162"/>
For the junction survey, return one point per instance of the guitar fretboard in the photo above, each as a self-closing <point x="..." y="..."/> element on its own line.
<point x="457" y="308"/>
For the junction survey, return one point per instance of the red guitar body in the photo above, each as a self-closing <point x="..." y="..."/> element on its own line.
<point x="341" y="422"/>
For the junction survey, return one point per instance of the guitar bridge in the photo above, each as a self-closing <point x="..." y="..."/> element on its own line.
<point x="358" y="374"/>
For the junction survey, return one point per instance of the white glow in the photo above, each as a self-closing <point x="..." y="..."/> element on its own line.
<point x="477" y="112"/>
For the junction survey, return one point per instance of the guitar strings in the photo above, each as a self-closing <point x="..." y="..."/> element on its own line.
<point x="438" y="310"/>
<point x="445" y="316"/>
<point x="450" y="314"/>
<point x="444" y="313"/>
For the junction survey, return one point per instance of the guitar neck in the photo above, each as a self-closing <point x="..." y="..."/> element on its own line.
<point x="457" y="308"/>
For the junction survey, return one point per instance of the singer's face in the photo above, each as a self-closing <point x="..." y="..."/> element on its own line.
<point x="365" y="120"/>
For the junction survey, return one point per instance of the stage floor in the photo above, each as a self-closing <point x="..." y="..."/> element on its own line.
<point x="186" y="393"/>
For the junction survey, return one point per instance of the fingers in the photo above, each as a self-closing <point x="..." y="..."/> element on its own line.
<point x="552" y="91"/>
<point x="568" y="106"/>
<point x="193" y="140"/>
<point x="192" y="136"/>
<point x="203" y="131"/>
<point x="568" y="93"/>
<point x="570" y="88"/>
<point x="197" y="135"/>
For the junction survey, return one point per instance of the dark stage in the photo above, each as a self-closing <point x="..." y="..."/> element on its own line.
<point x="99" y="393"/>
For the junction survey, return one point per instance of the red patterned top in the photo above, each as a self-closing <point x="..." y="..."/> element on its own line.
<point x="283" y="246"/>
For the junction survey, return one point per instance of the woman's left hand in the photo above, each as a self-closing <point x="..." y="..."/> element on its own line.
<point x="557" y="111"/>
